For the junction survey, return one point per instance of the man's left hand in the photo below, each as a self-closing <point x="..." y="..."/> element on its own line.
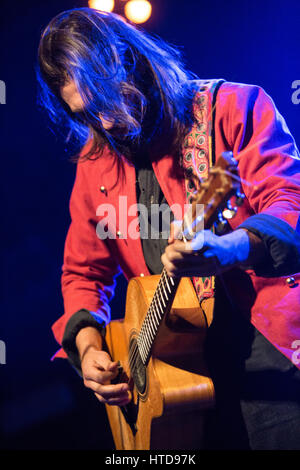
<point x="207" y="254"/>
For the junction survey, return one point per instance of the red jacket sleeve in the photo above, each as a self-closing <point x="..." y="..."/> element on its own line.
<point x="89" y="267"/>
<point x="267" y="155"/>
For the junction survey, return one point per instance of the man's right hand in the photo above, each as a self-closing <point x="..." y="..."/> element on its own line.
<point x="98" y="370"/>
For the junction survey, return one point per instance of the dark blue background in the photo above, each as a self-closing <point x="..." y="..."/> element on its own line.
<point x="43" y="405"/>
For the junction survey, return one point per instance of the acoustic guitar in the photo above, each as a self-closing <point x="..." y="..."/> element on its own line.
<point x="159" y="343"/>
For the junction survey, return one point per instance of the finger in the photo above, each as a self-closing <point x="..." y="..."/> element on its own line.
<point x="186" y="248"/>
<point x="198" y="243"/>
<point x="177" y="263"/>
<point x="108" y="368"/>
<point x="122" y="398"/>
<point x="113" y="366"/>
<point x="178" y="257"/>
<point x="122" y="401"/>
<point x="204" y="239"/>
<point x="178" y="250"/>
<point x="171" y="253"/>
<point x="169" y="266"/>
<point x="199" y="266"/>
<point x="175" y="230"/>
<point x="119" y="402"/>
<point x="207" y="268"/>
<point x="107" y="391"/>
<point x="101" y="377"/>
<point x="104" y="362"/>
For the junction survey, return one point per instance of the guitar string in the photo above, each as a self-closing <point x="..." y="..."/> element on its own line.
<point x="143" y="342"/>
<point x="153" y="314"/>
<point x="156" y="310"/>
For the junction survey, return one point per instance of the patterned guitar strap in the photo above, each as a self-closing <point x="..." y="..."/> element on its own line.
<point x="198" y="155"/>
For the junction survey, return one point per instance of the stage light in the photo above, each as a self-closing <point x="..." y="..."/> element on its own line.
<point x="103" y="5"/>
<point x="138" y="11"/>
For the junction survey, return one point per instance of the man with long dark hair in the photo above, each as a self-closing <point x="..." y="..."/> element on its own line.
<point x="149" y="130"/>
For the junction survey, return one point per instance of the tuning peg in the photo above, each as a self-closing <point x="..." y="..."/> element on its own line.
<point x="229" y="212"/>
<point x="239" y="198"/>
<point x="221" y="225"/>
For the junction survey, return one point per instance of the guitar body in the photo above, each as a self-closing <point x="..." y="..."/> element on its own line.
<point x="168" y="412"/>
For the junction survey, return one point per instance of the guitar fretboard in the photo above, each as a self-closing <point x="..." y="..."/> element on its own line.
<point x="159" y="306"/>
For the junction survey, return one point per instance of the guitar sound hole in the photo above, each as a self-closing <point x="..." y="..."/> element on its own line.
<point x="138" y="370"/>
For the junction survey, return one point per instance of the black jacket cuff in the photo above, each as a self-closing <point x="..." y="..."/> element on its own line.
<point x="81" y="319"/>
<point x="282" y="245"/>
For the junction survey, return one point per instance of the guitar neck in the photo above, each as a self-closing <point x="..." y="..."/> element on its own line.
<point x="211" y="198"/>
<point x="160" y="305"/>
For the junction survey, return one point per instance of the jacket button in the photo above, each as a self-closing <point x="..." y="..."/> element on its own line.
<point x="103" y="189"/>
<point x="119" y="233"/>
<point x="291" y="281"/>
<point x="142" y="274"/>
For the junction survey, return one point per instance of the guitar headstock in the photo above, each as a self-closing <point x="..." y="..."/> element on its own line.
<point x="212" y="201"/>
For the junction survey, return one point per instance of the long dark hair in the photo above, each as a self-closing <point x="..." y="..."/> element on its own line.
<point x="132" y="78"/>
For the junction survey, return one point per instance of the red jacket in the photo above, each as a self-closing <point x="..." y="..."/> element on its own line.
<point x="247" y="123"/>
